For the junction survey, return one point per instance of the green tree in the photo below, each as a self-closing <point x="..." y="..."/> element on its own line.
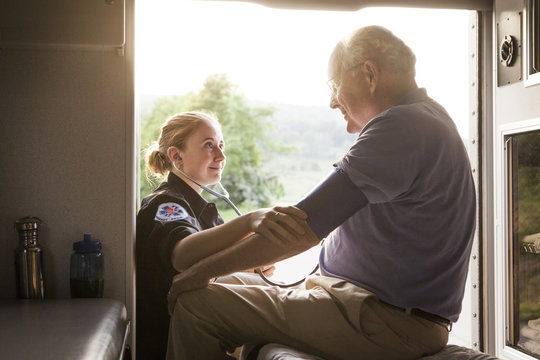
<point x="245" y="129"/>
<point x="529" y="183"/>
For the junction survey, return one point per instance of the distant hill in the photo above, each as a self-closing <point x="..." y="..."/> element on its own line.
<point x="315" y="130"/>
<point x="319" y="135"/>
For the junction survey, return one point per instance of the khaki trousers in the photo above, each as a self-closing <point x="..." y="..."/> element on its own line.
<point x="330" y="318"/>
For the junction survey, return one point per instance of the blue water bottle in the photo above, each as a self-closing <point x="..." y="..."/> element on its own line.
<point x="86" y="269"/>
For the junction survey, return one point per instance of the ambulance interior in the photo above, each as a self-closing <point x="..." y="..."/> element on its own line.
<point x="70" y="156"/>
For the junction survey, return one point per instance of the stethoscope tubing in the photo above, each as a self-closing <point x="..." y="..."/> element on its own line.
<point x="224" y="197"/>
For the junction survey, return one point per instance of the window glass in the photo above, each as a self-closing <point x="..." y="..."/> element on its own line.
<point x="534" y="33"/>
<point x="524" y="217"/>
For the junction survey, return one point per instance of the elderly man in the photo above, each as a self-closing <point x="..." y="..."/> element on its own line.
<point x="398" y="215"/>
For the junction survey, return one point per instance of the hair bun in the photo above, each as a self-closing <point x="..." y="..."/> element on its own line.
<point x="157" y="162"/>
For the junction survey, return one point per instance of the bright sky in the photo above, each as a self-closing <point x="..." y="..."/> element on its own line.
<point x="282" y="55"/>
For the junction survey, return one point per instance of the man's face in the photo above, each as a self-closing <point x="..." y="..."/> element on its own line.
<point x="351" y="94"/>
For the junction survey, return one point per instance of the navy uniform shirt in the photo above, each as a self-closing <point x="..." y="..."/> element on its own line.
<point x="172" y="212"/>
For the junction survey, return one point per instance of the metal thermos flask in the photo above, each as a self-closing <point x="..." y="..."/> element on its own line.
<point x="28" y="260"/>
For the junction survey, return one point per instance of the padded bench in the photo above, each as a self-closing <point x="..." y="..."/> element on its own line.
<point x="281" y="352"/>
<point x="91" y="329"/>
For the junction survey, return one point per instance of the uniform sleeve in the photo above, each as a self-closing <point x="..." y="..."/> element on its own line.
<point x="385" y="159"/>
<point x="331" y="202"/>
<point x="170" y="222"/>
<point x="173" y="234"/>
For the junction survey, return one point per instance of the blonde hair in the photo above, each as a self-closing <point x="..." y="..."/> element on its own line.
<point x="175" y="132"/>
<point x="374" y="43"/>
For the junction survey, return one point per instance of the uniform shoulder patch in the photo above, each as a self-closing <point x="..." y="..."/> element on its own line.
<point x="170" y="212"/>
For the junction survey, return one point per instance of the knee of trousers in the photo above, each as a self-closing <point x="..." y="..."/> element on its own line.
<point x="188" y="300"/>
<point x="199" y="300"/>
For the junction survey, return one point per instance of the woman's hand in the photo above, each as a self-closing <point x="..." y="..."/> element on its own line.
<point x="279" y="224"/>
<point x="268" y="270"/>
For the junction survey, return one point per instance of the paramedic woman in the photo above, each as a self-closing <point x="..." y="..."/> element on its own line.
<point x="403" y="205"/>
<point x="175" y="216"/>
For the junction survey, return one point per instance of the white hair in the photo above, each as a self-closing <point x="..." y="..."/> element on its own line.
<point x="374" y="43"/>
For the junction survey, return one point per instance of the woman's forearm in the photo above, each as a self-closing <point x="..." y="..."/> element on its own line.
<point x="253" y="252"/>
<point x="280" y="225"/>
<point x="204" y="243"/>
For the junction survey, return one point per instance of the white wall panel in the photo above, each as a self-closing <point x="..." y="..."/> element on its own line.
<point x="63" y="154"/>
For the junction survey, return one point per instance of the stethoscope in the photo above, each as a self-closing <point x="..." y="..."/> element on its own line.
<point x="225" y="197"/>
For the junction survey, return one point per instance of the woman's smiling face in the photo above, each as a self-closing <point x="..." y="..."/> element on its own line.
<point x="203" y="157"/>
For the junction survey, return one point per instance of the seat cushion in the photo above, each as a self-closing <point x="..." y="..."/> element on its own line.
<point x="281" y="352"/>
<point x="458" y="352"/>
<point x="63" y="329"/>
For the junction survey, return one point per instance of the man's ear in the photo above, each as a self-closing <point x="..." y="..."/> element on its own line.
<point x="371" y="71"/>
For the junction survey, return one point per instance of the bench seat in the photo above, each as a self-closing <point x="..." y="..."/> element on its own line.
<point x="89" y="329"/>
<point x="281" y="352"/>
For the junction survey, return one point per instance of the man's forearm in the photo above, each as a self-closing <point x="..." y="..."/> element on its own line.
<point x="253" y="252"/>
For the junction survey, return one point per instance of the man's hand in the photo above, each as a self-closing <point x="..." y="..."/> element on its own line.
<point x="182" y="282"/>
<point x="279" y="224"/>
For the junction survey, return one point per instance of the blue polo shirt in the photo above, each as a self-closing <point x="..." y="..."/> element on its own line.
<point x="410" y="245"/>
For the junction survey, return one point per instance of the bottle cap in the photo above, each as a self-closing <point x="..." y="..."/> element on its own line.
<point x="87" y="245"/>
<point x="28" y="223"/>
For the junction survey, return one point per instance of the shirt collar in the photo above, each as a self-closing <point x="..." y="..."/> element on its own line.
<point x="195" y="200"/>
<point x="411" y="97"/>
<point x="415" y="95"/>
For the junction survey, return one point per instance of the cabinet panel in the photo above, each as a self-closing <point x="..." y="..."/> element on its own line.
<point x="62" y="22"/>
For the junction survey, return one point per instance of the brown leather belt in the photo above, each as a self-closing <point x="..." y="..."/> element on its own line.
<point x="423" y="314"/>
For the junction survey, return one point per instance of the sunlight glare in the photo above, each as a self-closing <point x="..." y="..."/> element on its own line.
<point x="282" y="55"/>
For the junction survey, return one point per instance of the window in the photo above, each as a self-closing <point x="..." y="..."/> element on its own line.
<point x="279" y="58"/>
<point x="523" y="181"/>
